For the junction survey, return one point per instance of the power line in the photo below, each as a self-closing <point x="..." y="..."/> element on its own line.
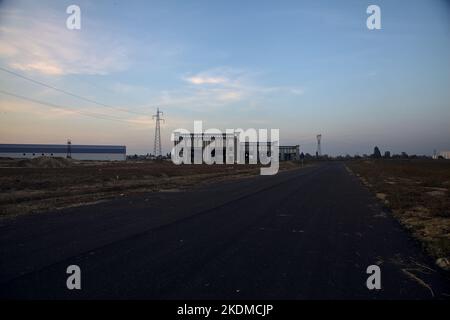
<point x="89" y="114"/>
<point x="68" y="93"/>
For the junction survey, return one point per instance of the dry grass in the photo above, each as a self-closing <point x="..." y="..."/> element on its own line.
<point x="417" y="192"/>
<point x="42" y="184"/>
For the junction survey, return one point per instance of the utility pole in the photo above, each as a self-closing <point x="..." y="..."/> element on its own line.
<point x="319" y="150"/>
<point x="157" y="145"/>
<point x="69" y="149"/>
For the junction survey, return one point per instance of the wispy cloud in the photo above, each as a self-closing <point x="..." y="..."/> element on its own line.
<point x="221" y="86"/>
<point x="47" y="112"/>
<point x="205" y="80"/>
<point x="46" y="46"/>
<point x="225" y="76"/>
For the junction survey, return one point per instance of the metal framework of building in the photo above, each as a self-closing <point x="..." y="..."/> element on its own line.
<point x="77" y="152"/>
<point x="249" y="151"/>
<point x="198" y="141"/>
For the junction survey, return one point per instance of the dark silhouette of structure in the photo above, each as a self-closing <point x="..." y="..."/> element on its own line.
<point x="157" y="144"/>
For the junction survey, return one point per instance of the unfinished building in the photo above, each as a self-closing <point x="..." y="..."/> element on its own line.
<point x="289" y="153"/>
<point x="233" y="150"/>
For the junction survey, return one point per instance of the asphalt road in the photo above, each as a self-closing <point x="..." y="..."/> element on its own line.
<point x="304" y="234"/>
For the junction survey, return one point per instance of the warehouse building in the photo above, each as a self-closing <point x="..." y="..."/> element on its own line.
<point x="77" y="152"/>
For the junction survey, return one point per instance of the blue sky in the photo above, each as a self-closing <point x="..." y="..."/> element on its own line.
<point x="305" y="67"/>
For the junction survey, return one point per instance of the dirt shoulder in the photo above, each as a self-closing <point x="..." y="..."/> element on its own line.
<point x="29" y="186"/>
<point x="418" y="194"/>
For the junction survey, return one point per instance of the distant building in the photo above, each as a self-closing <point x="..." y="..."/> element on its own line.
<point x="77" y="152"/>
<point x="289" y="153"/>
<point x="249" y="151"/>
<point x="445" y="154"/>
<point x="197" y="142"/>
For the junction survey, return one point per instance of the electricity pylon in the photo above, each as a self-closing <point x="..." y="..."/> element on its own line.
<point x="157" y="145"/>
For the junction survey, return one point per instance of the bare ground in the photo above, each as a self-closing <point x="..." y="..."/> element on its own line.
<point x="417" y="192"/>
<point x="41" y="184"/>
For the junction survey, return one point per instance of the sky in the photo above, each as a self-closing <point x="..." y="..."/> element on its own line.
<point x="304" y="67"/>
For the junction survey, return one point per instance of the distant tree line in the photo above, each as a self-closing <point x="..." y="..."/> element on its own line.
<point x="387" y="155"/>
<point x="377" y="154"/>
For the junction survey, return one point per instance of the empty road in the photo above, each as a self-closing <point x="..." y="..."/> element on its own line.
<point x="303" y="234"/>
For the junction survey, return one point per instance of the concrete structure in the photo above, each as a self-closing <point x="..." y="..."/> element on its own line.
<point x="78" y="152"/>
<point x="444" y="154"/>
<point x="232" y="148"/>
<point x="198" y="141"/>
<point x="289" y="153"/>
<point x="248" y="150"/>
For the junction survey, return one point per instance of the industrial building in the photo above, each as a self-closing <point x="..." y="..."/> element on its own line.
<point x="288" y="153"/>
<point x="198" y="141"/>
<point x="249" y="150"/>
<point x="77" y="152"/>
<point x="444" y="154"/>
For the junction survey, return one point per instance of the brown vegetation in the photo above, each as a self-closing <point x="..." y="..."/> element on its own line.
<point x="48" y="183"/>
<point x="417" y="192"/>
